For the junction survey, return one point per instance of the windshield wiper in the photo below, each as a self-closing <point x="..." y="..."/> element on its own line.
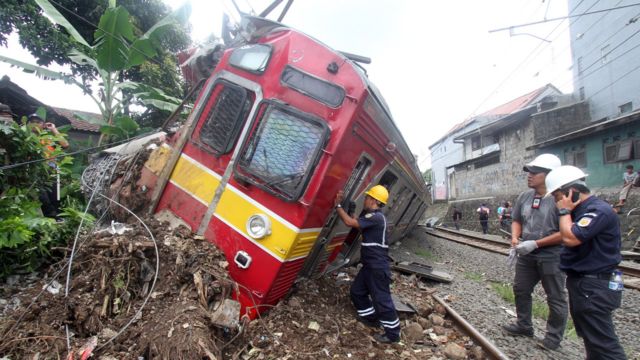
<point x="285" y="178"/>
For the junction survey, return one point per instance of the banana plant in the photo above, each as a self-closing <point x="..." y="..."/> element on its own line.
<point x="115" y="49"/>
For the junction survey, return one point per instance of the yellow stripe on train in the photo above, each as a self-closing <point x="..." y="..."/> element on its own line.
<point x="286" y="242"/>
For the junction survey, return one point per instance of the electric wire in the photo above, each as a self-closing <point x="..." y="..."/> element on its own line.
<point x="81" y="151"/>
<point x="53" y="278"/>
<point x="565" y="17"/>
<point x="155" y="277"/>
<point x="564" y="49"/>
<point x="527" y="59"/>
<point x="113" y="36"/>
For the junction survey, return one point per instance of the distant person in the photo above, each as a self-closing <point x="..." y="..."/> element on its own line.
<point x="483" y="215"/>
<point x="49" y="195"/>
<point x="535" y="221"/>
<point x="629" y="178"/>
<point x="457" y="216"/>
<point x="505" y="216"/>
<point x="370" y="290"/>
<point x="592" y="241"/>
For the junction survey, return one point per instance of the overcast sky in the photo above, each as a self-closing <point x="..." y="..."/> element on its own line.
<point x="435" y="62"/>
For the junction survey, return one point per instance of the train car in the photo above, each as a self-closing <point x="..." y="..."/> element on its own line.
<point x="282" y="124"/>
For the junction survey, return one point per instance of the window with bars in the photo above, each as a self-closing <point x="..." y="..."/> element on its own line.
<point x="226" y="111"/>
<point x="476" y="143"/>
<point x="621" y="150"/>
<point x="283" y="150"/>
<point x="576" y="156"/>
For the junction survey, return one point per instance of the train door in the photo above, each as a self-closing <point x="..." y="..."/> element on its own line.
<point x="403" y="217"/>
<point x="321" y="250"/>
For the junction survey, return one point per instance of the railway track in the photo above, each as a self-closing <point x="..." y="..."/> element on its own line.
<point x="499" y="245"/>
<point x="486" y="344"/>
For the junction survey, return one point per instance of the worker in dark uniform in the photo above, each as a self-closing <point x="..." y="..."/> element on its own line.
<point x="590" y="232"/>
<point x="537" y="241"/>
<point x="370" y="291"/>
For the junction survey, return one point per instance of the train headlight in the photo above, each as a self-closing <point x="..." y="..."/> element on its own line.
<point x="253" y="58"/>
<point x="258" y="226"/>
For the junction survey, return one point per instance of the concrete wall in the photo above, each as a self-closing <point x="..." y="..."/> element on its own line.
<point x="605" y="56"/>
<point x="505" y="178"/>
<point x="554" y="123"/>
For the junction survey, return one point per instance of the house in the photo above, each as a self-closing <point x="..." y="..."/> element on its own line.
<point x="484" y="140"/>
<point x="84" y="127"/>
<point x="606" y="77"/>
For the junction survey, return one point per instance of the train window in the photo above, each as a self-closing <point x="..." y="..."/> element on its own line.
<point x="387" y="180"/>
<point x="225" y="118"/>
<point x="253" y="58"/>
<point x="323" y="91"/>
<point x="283" y="150"/>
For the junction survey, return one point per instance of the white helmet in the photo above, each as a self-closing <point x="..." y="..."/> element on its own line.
<point x="563" y="176"/>
<point x="542" y="163"/>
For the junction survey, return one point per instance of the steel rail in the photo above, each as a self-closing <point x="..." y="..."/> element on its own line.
<point x="486" y="344"/>
<point x="630" y="269"/>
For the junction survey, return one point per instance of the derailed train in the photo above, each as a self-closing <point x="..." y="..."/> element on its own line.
<point x="281" y="125"/>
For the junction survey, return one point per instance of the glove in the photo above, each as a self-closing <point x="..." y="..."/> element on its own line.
<point x="511" y="260"/>
<point x="526" y="247"/>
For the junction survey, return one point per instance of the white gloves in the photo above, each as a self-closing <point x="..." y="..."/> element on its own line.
<point x="511" y="260"/>
<point x="526" y="247"/>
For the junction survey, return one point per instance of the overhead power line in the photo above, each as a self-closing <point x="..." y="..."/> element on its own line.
<point x="562" y="18"/>
<point x="106" y="32"/>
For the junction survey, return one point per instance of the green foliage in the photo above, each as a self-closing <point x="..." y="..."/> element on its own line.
<point x="539" y="309"/>
<point x="26" y="237"/>
<point x="123" y="128"/>
<point x="427" y="176"/>
<point x="505" y="291"/>
<point x="425" y="254"/>
<point x="25" y="146"/>
<point x="474" y="276"/>
<point x="121" y="44"/>
<point x="49" y="42"/>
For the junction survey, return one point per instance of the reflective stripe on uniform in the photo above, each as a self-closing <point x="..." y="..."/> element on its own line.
<point x="391" y="324"/>
<point x="366" y="312"/>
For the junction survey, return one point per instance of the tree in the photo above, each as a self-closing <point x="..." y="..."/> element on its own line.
<point x="115" y="50"/>
<point x="50" y="43"/>
<point x="427" y="176"/>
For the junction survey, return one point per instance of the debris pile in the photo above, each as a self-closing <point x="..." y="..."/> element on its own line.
<point x="113" y="277"/>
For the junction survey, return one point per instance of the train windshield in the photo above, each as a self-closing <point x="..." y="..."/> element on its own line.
<point x="283" y="150"/>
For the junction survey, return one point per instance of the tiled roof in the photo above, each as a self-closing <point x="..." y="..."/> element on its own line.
<point x="78" y="124"/>
<point x="499" y="111"/>
<point x="515" y="104"/>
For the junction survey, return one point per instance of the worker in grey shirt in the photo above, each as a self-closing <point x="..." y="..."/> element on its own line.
<point x="537" y="240"/>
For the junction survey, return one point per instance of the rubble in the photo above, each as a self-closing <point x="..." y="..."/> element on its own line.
<point x="183" y="318"/>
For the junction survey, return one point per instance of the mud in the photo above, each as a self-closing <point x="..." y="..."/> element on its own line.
<point x="114" y="274"/>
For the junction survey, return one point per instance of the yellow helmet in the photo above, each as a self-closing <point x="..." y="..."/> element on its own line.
<point x="379" y="193"/>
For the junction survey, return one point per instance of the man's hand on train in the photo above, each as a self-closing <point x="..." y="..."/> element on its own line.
<point x="339" y="198"/>
<point x="526" y="247"/>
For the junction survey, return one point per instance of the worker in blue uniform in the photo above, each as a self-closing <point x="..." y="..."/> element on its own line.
<point x="370" y="293"/>
<point x="590" y="232"/>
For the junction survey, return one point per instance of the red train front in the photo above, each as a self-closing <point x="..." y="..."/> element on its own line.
<point x="282" y="124"/>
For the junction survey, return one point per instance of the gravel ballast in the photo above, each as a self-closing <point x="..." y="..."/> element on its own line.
<point x="471" y="294"/>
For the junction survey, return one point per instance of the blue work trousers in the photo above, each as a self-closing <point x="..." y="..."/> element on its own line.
<point x="371" y="297"/>
<point x="591" y="303"/>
